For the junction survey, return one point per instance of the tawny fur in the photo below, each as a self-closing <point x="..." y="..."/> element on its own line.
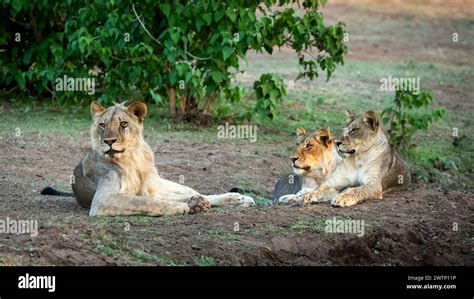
<point x="118" y="176"/>
<point x="369" y="169"/>
<point x="315" y="158"/>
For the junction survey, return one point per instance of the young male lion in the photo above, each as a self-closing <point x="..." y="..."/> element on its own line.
<point x="369" y="169"/>
<point x="118" y="175"/>
<point x="314" y="160"/>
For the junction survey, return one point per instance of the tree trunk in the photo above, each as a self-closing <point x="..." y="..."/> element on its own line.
<point x="182" y="104"/>
<point x="172" y="97"/>
<point x="209" y="102"/>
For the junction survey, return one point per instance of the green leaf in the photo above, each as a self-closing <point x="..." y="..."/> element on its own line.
<point x="217" y="76"/>
<point x="175" y="36"/>
<point x="27" y="57"/>
<point x="17" y="5"/>
<point x="173" y="78"/>
<point x="227" y="52"/>
<point x="156" y="97"/>
<point x="20" y="79"/>
<point x="165" y="8"/>
<point x="208" y="18"/>
<point x="199" y="23"/>
<point x="232" y="15"/>
<point x="218" y="15"/>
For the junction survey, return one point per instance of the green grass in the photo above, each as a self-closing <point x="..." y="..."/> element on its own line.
<point x="205" y="261"/>
<point x="302" y="224"/>
<point x="45" y="120"/>
<point x="147" y="258"/>
<point x="227" y="236"/>
<point x="119" y="247"/>
<point x="267" y="228"/>
<point x="318" y="224"/>
<point x="442" y="164"/>
<point x="113" y="246"/>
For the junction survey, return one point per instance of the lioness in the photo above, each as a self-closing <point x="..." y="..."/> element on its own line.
<point x="118" y="175"/>
<point x="369" y="169"/>
<point x="314" y="159"/>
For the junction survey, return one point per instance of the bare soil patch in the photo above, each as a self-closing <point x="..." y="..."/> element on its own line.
<point x="418" y="227"/>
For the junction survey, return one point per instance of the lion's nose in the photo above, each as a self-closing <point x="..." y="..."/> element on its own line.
<point x="110" y="141"/>
<point x="338" y="142"/>
<point x="293" y="159"/>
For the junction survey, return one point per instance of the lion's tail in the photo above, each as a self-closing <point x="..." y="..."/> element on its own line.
<point x="54" y="192"/>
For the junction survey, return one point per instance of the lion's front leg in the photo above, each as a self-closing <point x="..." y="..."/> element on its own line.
<point x="231" y="199"/>
<point x="168" y="190"/>
<point x="328" y="190"/>
<point x="323" y="193"/>
<point x="295" y="198"/>
<point x="356" y="195"/>
<point x="125" y="205"/>
<point x="171" y="191"/>
<point x="288" y="199"/>
<point x="109" y="202"/>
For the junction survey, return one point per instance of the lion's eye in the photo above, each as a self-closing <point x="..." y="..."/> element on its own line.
<point x="124" y="124"/>
<point x="354" y="130"/>
<point x="309" y="145"/>
<point x="102" y="125"/>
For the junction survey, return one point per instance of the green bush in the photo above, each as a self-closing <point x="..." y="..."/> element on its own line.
<point x="269" y="90"/>
<point x="409" y="113"/>
<point x="180" y="54"/>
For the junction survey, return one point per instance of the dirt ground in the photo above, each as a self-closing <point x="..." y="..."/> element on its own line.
<point x="421" y="226"/>
<point x="408" y="228"/>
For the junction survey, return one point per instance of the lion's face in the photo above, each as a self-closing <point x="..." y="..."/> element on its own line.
<point x="359" y="134"/>
<point x="311" y="150"/>
<point x="116" y="129"/>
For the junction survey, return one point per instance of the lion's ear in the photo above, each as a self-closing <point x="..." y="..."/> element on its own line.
<point x="138" y="109"/>
<point x="350" y="115"/>
<point x="372" y="120"/>
<point x="301" y="134"/>
<point x="96" y="109"/>
<point x="324" y="136"/>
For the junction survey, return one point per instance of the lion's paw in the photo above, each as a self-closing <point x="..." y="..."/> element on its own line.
<point x="246" y="201"/>
<point x="198" y="204"/>
<point x="344" y="200"/>
<point x="306" y="198"/>
<point x="310" y="198"/>
<point x="288" y="199"/>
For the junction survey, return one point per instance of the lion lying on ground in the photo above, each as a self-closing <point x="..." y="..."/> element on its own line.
<point x="118" y="175"/>
<point x="314" y="160"/>
<point x="369" y="169"/>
